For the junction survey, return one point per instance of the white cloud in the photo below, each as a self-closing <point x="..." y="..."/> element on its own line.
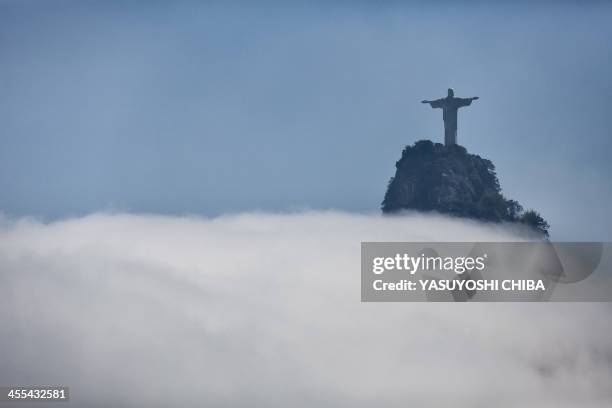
<point x="264" y="310"/>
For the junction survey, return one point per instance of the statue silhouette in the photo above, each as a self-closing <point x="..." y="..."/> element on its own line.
<point x="449" y="106"/>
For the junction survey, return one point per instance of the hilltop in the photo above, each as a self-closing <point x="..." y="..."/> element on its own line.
<point x="449" y="180"/>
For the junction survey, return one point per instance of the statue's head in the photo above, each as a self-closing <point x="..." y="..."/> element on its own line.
<point x="451" y="93"/>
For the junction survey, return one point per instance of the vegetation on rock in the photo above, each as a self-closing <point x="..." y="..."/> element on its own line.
<point x="449" y="180"/>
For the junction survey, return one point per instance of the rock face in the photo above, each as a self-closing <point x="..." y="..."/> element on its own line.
<point x="449" y="180"/>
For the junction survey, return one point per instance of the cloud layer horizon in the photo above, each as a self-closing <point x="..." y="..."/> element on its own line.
<point x="264" y="310"/>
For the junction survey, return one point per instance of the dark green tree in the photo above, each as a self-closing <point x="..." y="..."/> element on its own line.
<point x="513" y="210"/>
<point x="535" y="220"/>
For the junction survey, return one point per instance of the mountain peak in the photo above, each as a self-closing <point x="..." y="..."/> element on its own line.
<point x="447" y="179"/>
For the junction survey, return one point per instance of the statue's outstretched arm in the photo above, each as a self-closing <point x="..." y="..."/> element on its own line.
<point x="438" y="103"/>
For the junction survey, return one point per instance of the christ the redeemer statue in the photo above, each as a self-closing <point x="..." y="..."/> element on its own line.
<point x="449" y="106"/>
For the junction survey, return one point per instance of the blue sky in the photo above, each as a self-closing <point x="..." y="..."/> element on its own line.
<point x="214" y="108"/>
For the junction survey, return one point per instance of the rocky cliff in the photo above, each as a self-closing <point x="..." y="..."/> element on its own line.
<point x="449" y="180"/>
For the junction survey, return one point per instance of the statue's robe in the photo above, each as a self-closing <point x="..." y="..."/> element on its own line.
<point x="449" y="108"/>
